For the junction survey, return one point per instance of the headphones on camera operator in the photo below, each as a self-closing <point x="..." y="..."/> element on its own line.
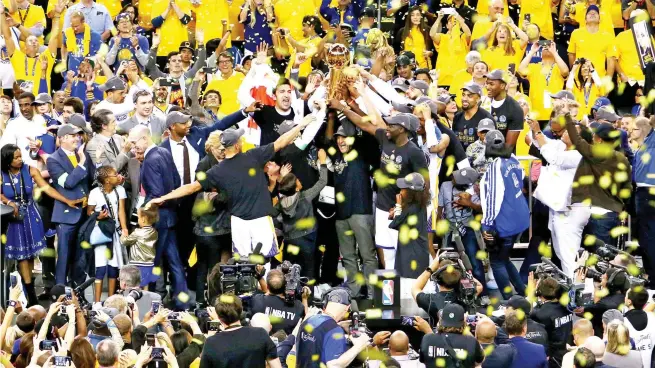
<point x="615" y="271"/>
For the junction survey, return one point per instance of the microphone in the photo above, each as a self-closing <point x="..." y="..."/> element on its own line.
<point x="551" y="264"/>
<point x="258" y="248"/>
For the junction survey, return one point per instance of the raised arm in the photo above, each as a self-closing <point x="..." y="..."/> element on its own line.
<point x="435" y="31"/>
<point x="54" y="43"/>
<point x="290" y="136"/>
<point x="6" y="33"/>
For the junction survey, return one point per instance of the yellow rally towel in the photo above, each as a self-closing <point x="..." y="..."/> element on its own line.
<point x="71" y="40"/>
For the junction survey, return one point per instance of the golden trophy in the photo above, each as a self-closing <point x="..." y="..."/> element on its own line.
<point x="338" y="57"/>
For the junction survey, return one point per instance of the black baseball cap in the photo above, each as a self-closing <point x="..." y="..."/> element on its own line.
<point x="407" y="121"/>
<point x="519" y="302"/>
<point x="369" y="12"/>
<point x="452" y="315"/>
<point x="186" y="45"/>
<point x="338" y="295"/>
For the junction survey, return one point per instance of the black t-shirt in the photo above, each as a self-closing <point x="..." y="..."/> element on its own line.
<point x="282" y="315"/>
<point x="604" y="304"/>
<point x="559" y="326"/>
<point x="433" y="349"/>
<point x="509" y="116"/>
<point x="396" y="162"/>
<point x="269" y="119"/>
<point x="432" y="303"/>
<point x="243" y="347"/>
<point x="467" y="130"/>
<point x="536" y="332"/>
<point x="303" y="163"/>
<point x="351" y="178"/>
<point x="245" y="182"/>
<point x="412" y="258"/>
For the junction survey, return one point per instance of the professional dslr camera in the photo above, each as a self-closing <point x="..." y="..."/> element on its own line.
<point x="293" y="281"/>
<point x="597" y="266"/>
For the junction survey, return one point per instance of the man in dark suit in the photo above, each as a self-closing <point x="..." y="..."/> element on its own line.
<point x="72" y="174"/>
<point x="157" y="179"/>
<point x="526" y="353"/>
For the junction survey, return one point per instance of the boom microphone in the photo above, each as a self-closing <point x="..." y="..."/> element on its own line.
<point x="84" y="285"/>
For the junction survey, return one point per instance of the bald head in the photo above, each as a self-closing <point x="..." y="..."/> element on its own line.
<point x="398" y="343"/>
<point x="582" y="330"/>
<point x="485" y="331"/>
<point x="261" y="320"/>
<point x="37" y="311"/>
<point x="596" y="345"/>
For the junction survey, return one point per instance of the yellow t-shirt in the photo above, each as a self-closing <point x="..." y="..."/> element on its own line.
<point x="452" y="59"/>
<point x="305" y="68"/>
<point x="540" y="15"/>
<point x="209" y="17"/>
<point x="544" y="80"/>
<point x="51" y="8"/>
<point x="29" y="69"/>
<point x="617" y="14"/>
<point x="237" y="33"/>
<point x="172" y="32"/>
<point x="458" y="80"/>
<point x="481" y="27"/>
<point x="228" y="88"/>
<point x="415" y="42"/>
<point x="606" y="23"/>
<point x="626" y="53"/>
<point x="145" y="13"/>
<point x="483" y="7"/>
<point x="113" y="6"/>
<point x="593" y="46"/>
<point x="586" y="103"/>
<point x="496" y="58"/>
<point x="289" y="14"/>
<point x="31" y="16"/>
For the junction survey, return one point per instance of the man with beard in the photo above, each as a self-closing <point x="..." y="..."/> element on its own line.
<point x="176" y="75"/>
<point x="24" y="129"/>
<point x="466" y="122"/>
<point x="116" y="101"/>
<point x="506" y="112"/>
<point x="399" y="157"/>
<point x="269" y="118"/>
<point x="162" y="105"/>
<point x="144" y="115"/>
<point x="405" y="64"/>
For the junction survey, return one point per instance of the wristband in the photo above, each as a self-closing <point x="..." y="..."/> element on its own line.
<point x="110" y="324"/>
<point x="428" y="269"/>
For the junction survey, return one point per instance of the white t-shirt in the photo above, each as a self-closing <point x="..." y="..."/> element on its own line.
<point x="97" y="199"/>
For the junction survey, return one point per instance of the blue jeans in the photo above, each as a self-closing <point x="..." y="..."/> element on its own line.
<point x="167" y="247"/>
<point x="601" y="226"/>
<point x="646" y="228"/>
<point x="471" y="248"/>
<point x="503" y="268"/>
<point x="306" y="254"/>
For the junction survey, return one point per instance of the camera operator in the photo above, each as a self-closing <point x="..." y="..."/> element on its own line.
<point x="284" y="315"/>
<point x="447" y="280"/>
<point x="236" y="345"/>
<point x="449" y="344"/>
<point x="536" y="331"/>
<point x="553" y="315"/>
<point x="321" y="336"/>
<point x="130" y="283"/>
<point x="610" y="295"/>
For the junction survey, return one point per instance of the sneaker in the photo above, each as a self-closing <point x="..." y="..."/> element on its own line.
<point x="491" y="284"/>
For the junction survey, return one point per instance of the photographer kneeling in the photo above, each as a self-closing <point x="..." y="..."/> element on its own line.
<point x="284" y="314"/>
<point x="130" y="283"/>
<point x="447" y="276"/>
<point x="610" y="295"/>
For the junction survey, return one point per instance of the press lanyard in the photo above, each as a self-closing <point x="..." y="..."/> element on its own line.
<point x="36" y="59"/>
<point x="24" y="17"/>
<point x="20" y="177"/>
<point x="587" y="92"/>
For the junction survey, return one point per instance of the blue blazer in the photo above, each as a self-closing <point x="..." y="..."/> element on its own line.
<point x="71" y="182"/>
<point x="199" y="132"/>
<point x="528" y="354"/>
<point x="158" y="180"/>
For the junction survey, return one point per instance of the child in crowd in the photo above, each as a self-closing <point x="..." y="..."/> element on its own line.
<point x="142" y="242"/>
<point x="475" y="151"/>
<point x="108" y="200"/>
<point x="298" y="222"/>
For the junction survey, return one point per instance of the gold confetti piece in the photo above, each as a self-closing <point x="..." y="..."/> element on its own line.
<point x="225" y="298"/>
<point x="412" y="220"/>
<point x="348" y="233"/>
<point x="413" y="234"/>
<point x="403" y="234"/>
<point x="360" y="279"/>
<point x="156" y="271"/>
<point x="341" y="274"/>
<point x="374" y="313"/>
<point x="208" y="230"/>
<point x="305" y="223"/>
<point x="293" y="249"/>
<point x="589" y="240"/>
<point x="183" y="297"/>
<point x="350" y="141"/>
<point x="520" y="314"/>
<point x="413" y="264"/>
<point x="605" y="181"/>
<point x="618" y="231"/>
<point x="391" y="168"/>
<point x="588" y="315"/>
<point x="442" y="227"/>
<point x="46" y="252"/>
<point x="316" y="357"/>
<point x="252" y="172"/>
<point x="332" y="151"/>
<point x="321" y="248"/>
<point x="586" y="179"/>
<point x="350" y="156"/>
<point x="481" y="255"/>
<point x="564" y="299"/>
<point x="441" y="362"/>
<point x="475" y="225"/>
<point x="201" y="175"/>
<point x="85" y="245"/>
<point x="256" y="259"/>
<point x="372" y="279"/>
<point x="602" y="150"/>
<point x="507" y="289"/>
<point x="340" y="197"/>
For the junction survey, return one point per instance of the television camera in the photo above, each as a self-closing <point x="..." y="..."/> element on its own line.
<point x="240" y="276"/>
<point x="293" y="281"/>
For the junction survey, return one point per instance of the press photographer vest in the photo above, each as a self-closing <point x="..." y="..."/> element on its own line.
<point x="310" y="345"/>
<point x="643" y="339"/>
